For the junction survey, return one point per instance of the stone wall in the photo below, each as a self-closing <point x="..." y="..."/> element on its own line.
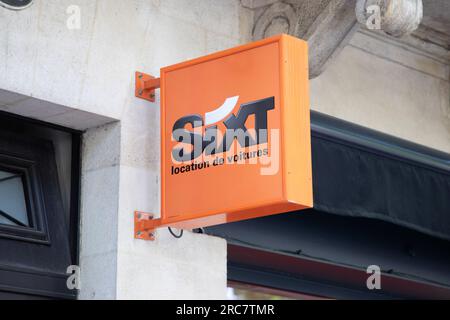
<point x="384" y="85"/>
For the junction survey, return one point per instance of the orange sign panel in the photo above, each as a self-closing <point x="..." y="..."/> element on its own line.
<point x="235" y="132"/>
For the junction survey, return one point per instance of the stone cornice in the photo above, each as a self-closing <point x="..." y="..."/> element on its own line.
<point x="328" y="25"/>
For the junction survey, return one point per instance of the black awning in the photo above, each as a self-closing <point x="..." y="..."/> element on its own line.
<point x="364" y="173"/>
<point x="377" y="200"/>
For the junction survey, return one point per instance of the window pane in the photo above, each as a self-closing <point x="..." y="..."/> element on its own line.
<point x="13" y="209"/>
<point x="245" y="291"/>
<point x="253" y="294"/>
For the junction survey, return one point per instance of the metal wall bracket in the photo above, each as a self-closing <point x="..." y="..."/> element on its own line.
<point x="146" y="86"/>
<point x="143" y="226"/>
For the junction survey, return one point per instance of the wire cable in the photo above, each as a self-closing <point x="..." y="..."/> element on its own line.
<point x="178" y="236"/>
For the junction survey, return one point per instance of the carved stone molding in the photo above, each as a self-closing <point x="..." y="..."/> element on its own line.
<point x="277" y="18"/>
<point x="326" y="24"/>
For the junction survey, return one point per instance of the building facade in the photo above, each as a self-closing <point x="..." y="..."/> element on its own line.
<point x="67" y="76"/>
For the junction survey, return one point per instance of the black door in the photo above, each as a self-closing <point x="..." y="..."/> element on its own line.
<point x="35" y="238"/>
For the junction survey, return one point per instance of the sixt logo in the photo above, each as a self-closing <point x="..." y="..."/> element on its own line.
<point x="211" y="141"/>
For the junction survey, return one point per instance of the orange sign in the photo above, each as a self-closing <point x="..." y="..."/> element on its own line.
<point x="235" y="132"/>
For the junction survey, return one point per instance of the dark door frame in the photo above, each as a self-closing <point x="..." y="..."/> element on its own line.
<point x="39" y="285"/>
